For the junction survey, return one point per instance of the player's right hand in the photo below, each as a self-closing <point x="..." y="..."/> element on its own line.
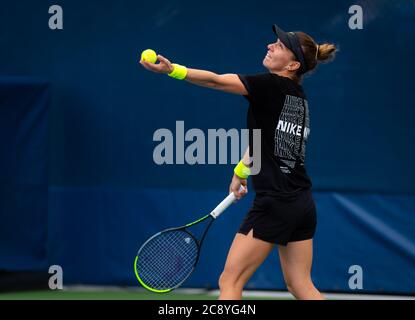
<point x="235" y="187"/>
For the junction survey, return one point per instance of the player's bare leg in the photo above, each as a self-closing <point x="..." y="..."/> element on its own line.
<point x="245" y="256"/>
<point x="296" y="260"/>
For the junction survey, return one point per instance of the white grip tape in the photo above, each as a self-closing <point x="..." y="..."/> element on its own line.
<point x="224" y="204"/>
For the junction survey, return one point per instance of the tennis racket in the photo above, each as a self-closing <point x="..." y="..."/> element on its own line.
<point x="169" y="257"/>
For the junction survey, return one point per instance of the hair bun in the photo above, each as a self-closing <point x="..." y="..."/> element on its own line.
<point x="326" y="51"/>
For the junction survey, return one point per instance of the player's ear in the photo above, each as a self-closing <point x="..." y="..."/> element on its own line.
<point x="293" y="66"/>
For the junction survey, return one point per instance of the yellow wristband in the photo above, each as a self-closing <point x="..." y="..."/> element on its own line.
<point x="242" y="171"/>
<point x="179" y="72"/>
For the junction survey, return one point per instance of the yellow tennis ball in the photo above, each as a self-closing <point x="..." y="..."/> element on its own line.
<point x="149" y="56"/>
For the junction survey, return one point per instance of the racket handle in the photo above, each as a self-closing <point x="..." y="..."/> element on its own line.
<point x="224" y="204"/>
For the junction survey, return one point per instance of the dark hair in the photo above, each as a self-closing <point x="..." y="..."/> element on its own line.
<point x="313" y="52"/>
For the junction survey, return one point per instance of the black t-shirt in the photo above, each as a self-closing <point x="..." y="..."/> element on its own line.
<point x="278" y="106"/>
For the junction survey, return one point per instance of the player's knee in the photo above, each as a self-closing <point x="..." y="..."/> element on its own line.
<point x="298" y="286"/>
<point x="228" y="279"/>
<point x="224" y="280"/>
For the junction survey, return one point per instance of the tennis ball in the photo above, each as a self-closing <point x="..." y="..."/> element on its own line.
<point x="149" y="56"/>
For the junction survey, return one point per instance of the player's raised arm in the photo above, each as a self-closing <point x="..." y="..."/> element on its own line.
<point x="225" y="82"/>
<point x="229" y="82"/>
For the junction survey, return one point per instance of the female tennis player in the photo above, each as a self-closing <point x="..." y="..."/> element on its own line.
<point x="283" y="212"/>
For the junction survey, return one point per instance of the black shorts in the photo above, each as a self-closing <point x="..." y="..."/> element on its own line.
<point x="281" y="221"/>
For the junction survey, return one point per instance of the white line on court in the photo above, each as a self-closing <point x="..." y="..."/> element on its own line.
<point x="246" y="293"/>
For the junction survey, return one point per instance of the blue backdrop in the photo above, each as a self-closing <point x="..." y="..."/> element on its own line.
<point x="106" y="195"/>
<point x="24" y="104"/>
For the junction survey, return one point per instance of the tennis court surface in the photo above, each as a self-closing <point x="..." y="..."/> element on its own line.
<point x="115" y="293"/>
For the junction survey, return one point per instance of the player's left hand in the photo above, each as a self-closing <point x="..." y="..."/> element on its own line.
<point x="164" y="65"/>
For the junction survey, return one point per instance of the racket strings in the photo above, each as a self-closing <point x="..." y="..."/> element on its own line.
<point x="167" y="259"/>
